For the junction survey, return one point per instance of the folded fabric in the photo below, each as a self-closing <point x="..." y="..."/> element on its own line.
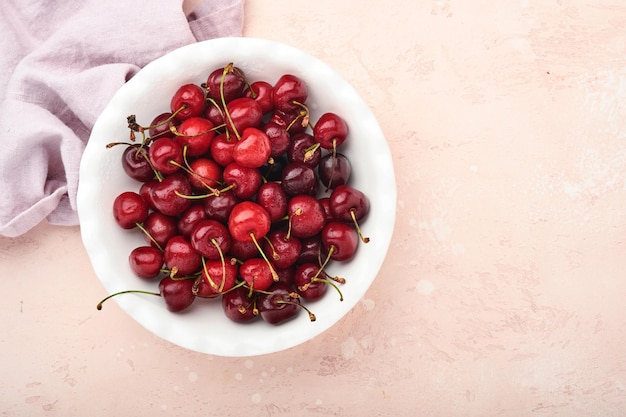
<point x="62" y="63"/>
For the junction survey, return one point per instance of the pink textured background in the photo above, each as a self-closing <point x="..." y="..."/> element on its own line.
<point x="504" y="290"/>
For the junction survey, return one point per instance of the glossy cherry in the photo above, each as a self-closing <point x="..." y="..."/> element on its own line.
<point x="187" y="101"/>
<point x="306" y="216"/>
<point x="282" y="249"/>
<point x="129" y="209"/>
<point x="330" y="131"/>
<point x="168" y="196"/>
<point x="239" y="305"/>
<point x="257" y="273"/>
<point x="334" y="170"/>
<point x="159" y="228"/>
<point x="242" y="113"/>
<point x="279" y="304"/>
<point x="289" y="93"/>
<point x="261" y="92"/>
<point x="177" y="293"/>
<point x="339" y="240"/>
<point x="248" y="221"/>
<point x="245" y="181"/>
<point x="196" y="134"/>
<point x="180" y="257"/>
<point x="136" y="164"/>
<point x="166" y="155"/>
<point x="297" y="178"/>
<point x="146" y="261"/>
<point x="253" y="149"/>
<point x="226" y="82"/>
<point x="272" y="197"/>
<point x="211" y="239"/>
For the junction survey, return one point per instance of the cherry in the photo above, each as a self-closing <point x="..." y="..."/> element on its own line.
<point x="136" y="164"/>
<point x="349" y="204"/>
<point x="196" y="134"/>
<point x="211" y="239"/>
<point x="272" y="170"/>
<point x="221" y="149"/>
<point x="227" y="83"/>
<point x="289" y="93"/>
<point x="248" y="221"/>
<point x="279" y="138"/>
<point x="283" y="250"/>
<point x="257" y="274"/>
<point x="159" y="228"/>
<point x="177" y="293"/>
<point x="161" y="125"/>
<point x="180" y="256"/>
<point x="334" y="170"/>
<point x="239" y="305"/>
<point x="214" y="113"/>
<point x="339" y="240"/>
<point x="204" y="174"/>
<point x="168" y="195"/>
<point x="166" y="155"/>
<point x="242" y="113"/>
<point x="129" y="209"/>
<point x="310" y="251"/>
<point x="325" y="202"/>
<point x="145" y="191"/>
<point x="303" y="148"/>
<point x="244" y="181"/>
<point x="279" y="304"/>
<point x="217" y="277"/>
<point x="219" y="206"/>
<point x="243" y="250"/>
<point x="188" y="220"/>
<point x="293" y="121"/>
<point x="187" y="101"/>
<point x="307" y="282"/>
<point x="306" y="216"/>
<point x="253" y="149"/>
<point x="272" y="197"/>
<point x="286" y="275"/>
<point x="146" y="261"/>
<point x="298" y="178"/>
<point x="330" y="131"/>
<point x="261" y="92"/>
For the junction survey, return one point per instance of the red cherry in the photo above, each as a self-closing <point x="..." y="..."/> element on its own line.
<point x="261" y="92"/>
<point x="166" y="155"/>
<point x="129" y="208"/>
<point x="159" y="229"/>
<point x="348" y="203"/>
<point x="257" y="274"/>
<point x="245" y="181"/>
<point x="239" y="305"/>
<point x="190" y="218"/>
<point x="205" y="174"/>
<point x="187" y="101"/>
<point x="168" y="195"/>
<point x="146" y="261"/>
<point x="221" y="149"/>
<point x="279" y="138"/>
<point x="217" y="277"/>
<point x="330" y="131"/>
<point x="248" y="221"/>
<point x="307" y="282"/>
<point x="306" y="216"/>
<point x="339" y="240"/>
<point x="161" y="125"/>
<point x="219" y="206"/>
<point x="181" y="257"/>
<point x="288" y="91"/>
<point x="242" y="113"/>
<point x="253" y="149"/>
<point x="283" y="250"/>
<point x="196" y="134"/>
<point x="135" y="163"/>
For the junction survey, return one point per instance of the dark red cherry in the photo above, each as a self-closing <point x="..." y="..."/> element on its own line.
<point x="334" y="170"/>
<point x="289" y="93"/>
<point x="219" y="206"/>
<point x="283" y="250"/>
<point x="129" y="208"/>
<point x="304" y="149"/>
<point x="187" y="101"/>
<point x="161" y="125"/>
<point x="348" y="204"/>
<point x="214" y="113"/>
<point x="279" y="138"/>
<point x="308" y="282"/>
<point x="310" y="251"/>
<point x="211" y="239"/>
<point x="272" y="197"/>
<point x="298" y="178"/>
<point x="278" y="305"/>
<point x="190" y="218"/>
<point x="227" y="81"/>
<point x="146" y="261"/>
<point x="145" y="191"/>
<point x="135" y="163"/>
<point x="243" y="250"/>
<point x="239" y="305"/>
<point x="177" y="293"/>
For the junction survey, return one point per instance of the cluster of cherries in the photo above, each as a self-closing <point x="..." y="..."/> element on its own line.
<point x="242" y="198"/>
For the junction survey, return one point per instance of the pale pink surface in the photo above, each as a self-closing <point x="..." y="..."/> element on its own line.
<point x="503" y="291"/>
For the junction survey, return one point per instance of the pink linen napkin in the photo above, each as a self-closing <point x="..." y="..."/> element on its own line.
<point x="61" y="64"/>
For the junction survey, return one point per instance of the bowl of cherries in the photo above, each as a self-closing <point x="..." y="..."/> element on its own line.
<point x="236" y="197"/>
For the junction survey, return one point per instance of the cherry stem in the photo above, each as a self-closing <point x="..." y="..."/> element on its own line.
<point x="99" y="306"/>
<point x="219" y="250"/>
<point x="303" y="114"/>
<point x="227" y="69"/>
<point x="358" y="229"/>
<point x="311" y="315"/>
<point x="143" y="229"/>
<point x="272" y="270"/>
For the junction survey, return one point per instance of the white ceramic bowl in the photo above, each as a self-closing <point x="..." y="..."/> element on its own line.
<point x="204" y="328"/>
